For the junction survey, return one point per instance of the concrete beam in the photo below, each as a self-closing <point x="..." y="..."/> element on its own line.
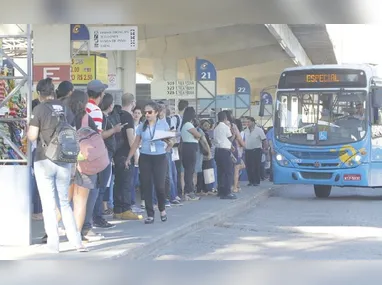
<point x="158" y="31"/>
<point x="207" y="42"/>
<point x="289" y="42"/>
<point x="248" y="57"/>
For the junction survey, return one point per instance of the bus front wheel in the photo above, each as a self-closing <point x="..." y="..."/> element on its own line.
<point x="322" y="191"/>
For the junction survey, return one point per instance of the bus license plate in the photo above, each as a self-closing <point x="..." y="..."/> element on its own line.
<point x="352" y="177"/>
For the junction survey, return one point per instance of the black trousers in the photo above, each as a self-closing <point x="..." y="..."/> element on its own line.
<point x="153" y="172"/>
<point x="253" y="165"/>
<point x="178" y="165"/>
<point x="189" y="161"/>
<point x="224" y="167"/>
<point x="122" y="186"/>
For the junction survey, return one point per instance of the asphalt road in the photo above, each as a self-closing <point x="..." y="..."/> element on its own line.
<point x="292" y="224"/>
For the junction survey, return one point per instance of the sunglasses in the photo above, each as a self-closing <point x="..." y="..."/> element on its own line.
<point x="149" y="112"/>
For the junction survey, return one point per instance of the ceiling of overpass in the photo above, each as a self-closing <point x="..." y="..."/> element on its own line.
<point x="243" y="49"/>
<point x="316" y="42"/>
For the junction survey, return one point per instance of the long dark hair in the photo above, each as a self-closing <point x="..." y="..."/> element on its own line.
<point x="188" y="116"/>
<point x="64" y="89"/>
<point x="156" y="108"/>
<point x="106" y="102"/>
<point x="239" y="125"/>
<point x="77" y="102"/>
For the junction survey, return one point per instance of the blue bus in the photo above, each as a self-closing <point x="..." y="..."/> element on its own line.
<point x="328" y="127"/>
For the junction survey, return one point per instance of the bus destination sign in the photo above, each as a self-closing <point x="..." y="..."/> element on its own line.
<point x="312" y="78"/>
<point x="339" y="78"/>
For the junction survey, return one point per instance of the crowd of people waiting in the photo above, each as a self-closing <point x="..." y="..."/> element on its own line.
<point x="204" y="158"/>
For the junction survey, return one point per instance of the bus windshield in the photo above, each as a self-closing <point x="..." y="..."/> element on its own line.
<point x="321" y="118"/>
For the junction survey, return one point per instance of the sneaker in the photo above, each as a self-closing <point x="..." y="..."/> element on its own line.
<point x="44" y="239"/>
<point x="90" y="235"/>
<point x="168" y="204"/>
<point x="176" y="202"/>
<point x="102" y="223"/>
<point x="178" y="198"/>
<point x="143" y="205"/>
<point x="108" y="212"/>
<point x="192" y="197"/>
<point x="136" y="209"/>
<point x="229" y="197"/>
<point x="129" y="215"/>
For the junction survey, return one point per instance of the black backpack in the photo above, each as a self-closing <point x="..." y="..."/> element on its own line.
<point x="115" y="118"/>
<point x="64" y="146"/>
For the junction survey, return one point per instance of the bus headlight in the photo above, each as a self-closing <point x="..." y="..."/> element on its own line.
<point x="357" y="158"/>
<point x="282" y="160"/>
<point x="354" y="160"/>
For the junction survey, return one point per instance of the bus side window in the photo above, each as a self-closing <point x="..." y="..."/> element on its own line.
<point x="376" y="103"/>
<point x="377" y="116"/>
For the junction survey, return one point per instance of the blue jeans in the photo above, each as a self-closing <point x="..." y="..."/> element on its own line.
<point x="94" y="203"/>
<point x="53" y="180"/>
<point x="134" y="184"/>
<point x="103" y="179"/>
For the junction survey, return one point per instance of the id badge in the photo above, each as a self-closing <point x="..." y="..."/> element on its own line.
<point x="152" y="147"/>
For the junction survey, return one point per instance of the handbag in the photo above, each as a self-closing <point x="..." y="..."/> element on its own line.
<point x="208" y="172"/>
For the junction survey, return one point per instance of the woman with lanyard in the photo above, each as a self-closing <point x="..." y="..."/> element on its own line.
<point x="152" y="160"/>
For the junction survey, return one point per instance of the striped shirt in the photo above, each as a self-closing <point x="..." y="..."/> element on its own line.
<point x="95" y="112"/>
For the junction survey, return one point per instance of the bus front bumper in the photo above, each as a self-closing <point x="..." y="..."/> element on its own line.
<point x="351" y="177"/>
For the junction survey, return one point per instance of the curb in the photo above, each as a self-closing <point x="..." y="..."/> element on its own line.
<point x="238" y="207"/>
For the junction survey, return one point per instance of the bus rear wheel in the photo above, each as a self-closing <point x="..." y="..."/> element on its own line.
<point x="322" y="191"/>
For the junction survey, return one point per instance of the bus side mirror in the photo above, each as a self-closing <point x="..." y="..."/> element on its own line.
<point x="262" y="108"/>
<point x="377" y="98"/>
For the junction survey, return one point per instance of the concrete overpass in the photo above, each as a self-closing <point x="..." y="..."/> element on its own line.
<point x="257" y="52"/>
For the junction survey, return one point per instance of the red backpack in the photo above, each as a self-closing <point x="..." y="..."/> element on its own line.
<point x="94" y="153"/>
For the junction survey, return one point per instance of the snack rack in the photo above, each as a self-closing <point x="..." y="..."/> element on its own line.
<point x="15" y="151"/>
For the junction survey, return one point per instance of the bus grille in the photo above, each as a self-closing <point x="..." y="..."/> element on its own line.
<point x="316" y="175"/>
<point x="327" y="164"/>
<point x="317" y="154"/>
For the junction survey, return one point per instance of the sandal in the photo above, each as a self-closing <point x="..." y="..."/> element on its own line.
<point x="163" y="218"/>
<point x="149" y="220"/>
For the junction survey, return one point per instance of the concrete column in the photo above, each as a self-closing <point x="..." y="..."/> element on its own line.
<point x="129" y="72"/>
<point x="112" y="59"/>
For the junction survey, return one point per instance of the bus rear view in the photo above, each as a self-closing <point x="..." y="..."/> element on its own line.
<point x="325" y="128"/>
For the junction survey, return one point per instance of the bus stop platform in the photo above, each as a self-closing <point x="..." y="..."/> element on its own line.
<point x="135" y="240"/>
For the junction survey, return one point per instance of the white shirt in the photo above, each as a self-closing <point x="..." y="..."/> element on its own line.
<point x="254" y="139"/>
<point x="221" y="134"/>
<point x="174" y="121"/>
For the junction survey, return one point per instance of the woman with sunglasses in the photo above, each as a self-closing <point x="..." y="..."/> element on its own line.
<point x="152" y="160"/>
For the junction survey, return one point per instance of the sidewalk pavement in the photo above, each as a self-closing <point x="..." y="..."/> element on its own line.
<point x="135" y="240"/>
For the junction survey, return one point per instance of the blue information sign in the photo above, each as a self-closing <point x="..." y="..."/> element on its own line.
<point x="323" y="136"/>
<point x="79" y="32"/>
<point x="242" y="93"/>
<point x="205" y="70"/>
<point x="266" y="98"/>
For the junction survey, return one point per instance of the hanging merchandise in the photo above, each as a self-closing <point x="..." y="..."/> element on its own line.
<point x="14" y="108"/>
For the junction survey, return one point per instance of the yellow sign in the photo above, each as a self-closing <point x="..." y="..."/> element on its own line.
<point x="87" y="68"/>
<point x="102" y="69"/>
